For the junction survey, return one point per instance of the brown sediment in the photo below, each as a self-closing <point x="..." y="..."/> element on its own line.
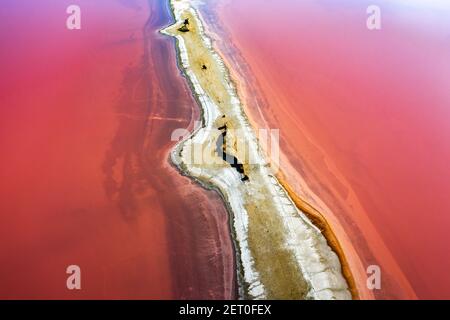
<point x="320" y="222"/>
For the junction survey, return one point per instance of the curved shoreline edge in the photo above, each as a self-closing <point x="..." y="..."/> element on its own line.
<point x="320" y="222"/>
<point x="312" y="245"/>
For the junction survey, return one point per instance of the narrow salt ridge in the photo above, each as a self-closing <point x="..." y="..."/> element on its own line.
<point x="319" y="265"/>
<point x="227" y="180"/>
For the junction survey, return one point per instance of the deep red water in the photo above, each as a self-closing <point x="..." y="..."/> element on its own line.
<point x="85" y="123"/>
<point x="364" y="119"/>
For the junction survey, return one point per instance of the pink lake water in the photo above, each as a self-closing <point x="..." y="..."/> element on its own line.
<point x="364" y="119"/>
<point x="86" y="118"/>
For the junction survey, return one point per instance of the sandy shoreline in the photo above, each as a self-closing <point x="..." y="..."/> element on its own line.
<point x="269" y="230"/>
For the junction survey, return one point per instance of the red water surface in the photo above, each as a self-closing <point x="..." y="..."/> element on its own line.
<point x="364" y="122"/>
<point x="85" y="123"/>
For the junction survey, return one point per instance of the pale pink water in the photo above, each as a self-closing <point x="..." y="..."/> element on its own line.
<point x="364" y="119"/>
